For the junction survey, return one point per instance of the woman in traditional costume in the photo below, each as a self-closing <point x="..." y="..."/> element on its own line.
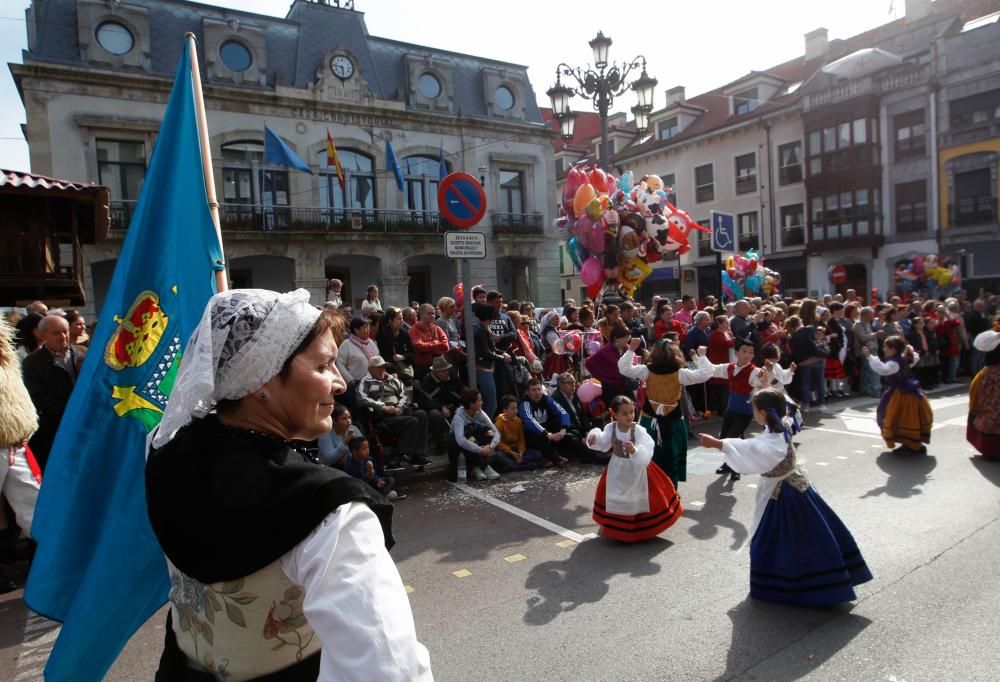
<point x="983" y="427"/>
<point x="634" y="500"/>
<point x="801" y="553"/>
<point x="557" y="360"/>
<point x="904" y="414"/>
<point x="665" y="376"/>
<point x="279" y="566"/>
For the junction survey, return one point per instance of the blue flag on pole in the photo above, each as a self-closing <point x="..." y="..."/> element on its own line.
<point x="280" y="154"/>
<point x="442" y="166"/>
<point x="392" y="164"/>
<point x="98" y="568"/>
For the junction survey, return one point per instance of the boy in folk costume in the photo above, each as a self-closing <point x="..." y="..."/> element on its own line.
<point x="634" y="499"/>
<point x="739" y="413"/>
<point x="20" y="476"/>
<point x="983" y="427"/>
<point x="904" y="413"/>
<point x="665" y="376"/>
<point x="801" y="553"/>
<point x="773" y="375"/>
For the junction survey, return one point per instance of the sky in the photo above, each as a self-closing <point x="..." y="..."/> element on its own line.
<point x="700" y="44"/>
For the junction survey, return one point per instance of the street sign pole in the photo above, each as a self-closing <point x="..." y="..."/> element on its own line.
<point x="470" y="346"/>
<point x="723" y="239"/>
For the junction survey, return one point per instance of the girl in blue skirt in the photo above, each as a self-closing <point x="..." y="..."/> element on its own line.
<point x="801" y="553"/>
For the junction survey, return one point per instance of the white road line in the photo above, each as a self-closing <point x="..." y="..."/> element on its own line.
<point x="842" y="433"/>
<point x="527" y="516"/>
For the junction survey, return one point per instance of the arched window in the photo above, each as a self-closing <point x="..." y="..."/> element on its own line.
<point x="422" y="173"/>
<point x="245" y="178"/>
<point x="359" y="180"/>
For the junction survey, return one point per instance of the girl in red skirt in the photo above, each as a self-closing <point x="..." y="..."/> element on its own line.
<point x="635" y="500"/>
<point x="836" y="338"/>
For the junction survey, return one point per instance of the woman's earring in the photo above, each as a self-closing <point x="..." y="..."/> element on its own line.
<point x="261" y="396"/>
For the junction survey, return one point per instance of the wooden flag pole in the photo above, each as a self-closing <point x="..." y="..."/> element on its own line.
<point x="221" y="282"/>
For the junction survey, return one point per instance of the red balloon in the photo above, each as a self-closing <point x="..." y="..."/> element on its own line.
<point x="599" y="180"/>
<point x="574" y="180"/>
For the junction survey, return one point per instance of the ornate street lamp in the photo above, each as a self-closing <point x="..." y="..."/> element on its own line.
<point x="567" y="124"/>
<point x="610" y="80"/>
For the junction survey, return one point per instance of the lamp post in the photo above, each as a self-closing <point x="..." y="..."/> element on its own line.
<point x="602" y="83"/>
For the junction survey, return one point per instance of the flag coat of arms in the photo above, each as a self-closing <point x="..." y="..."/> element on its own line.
<point x="98" y="568"/>
<point x="332" y="160"/>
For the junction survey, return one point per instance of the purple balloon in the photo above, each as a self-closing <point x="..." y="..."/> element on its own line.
<point x="592" y="271"/>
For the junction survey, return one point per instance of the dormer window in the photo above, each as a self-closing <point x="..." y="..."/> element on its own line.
<point x="745" y="102"/>
<point x="668" y="128"/>
<point x="429" y="86"/>
<point x="115" y="38"/>
<point x="235" y="56"/>
<point x="504" y="98"/>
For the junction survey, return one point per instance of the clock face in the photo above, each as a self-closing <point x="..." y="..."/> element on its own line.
<point x="342" y="67"/>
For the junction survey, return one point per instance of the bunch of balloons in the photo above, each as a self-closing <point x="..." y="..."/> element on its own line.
<point x="614" y="228"/>
<point x="937" y="276"/>
<point x="745" y="274"/>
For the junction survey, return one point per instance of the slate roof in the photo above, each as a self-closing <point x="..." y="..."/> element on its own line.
<point x="295" y="47"/>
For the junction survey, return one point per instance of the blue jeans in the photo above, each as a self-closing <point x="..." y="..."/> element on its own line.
<point x="813" y="379"/>
<point x="488" y="389"/>
<point x="505" y="462"/>
<point x="977" y="359"/>
<point x="950" y="368"/>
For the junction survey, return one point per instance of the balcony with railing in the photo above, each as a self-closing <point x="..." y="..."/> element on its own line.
<point x="859" y="230"/>
<point x="898" y="78"/>
<point x="973" y="212"/>
<point x="251" y="218"/>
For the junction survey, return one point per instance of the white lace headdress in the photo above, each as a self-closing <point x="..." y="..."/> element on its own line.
<point x="241" y="343"/>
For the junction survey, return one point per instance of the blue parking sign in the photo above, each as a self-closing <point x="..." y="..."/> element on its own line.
<point x="723" y="231"/>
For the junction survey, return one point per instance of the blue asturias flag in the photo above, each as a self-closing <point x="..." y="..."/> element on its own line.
<point x="98" y="568"/>
<point x="280" y="154"/>
<point x="392" y="164"/>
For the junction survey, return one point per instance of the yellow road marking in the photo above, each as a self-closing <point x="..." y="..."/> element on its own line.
<point x="410" y="589"/>
<point x="566" y="543"/>
<point x="463" y="573"/>
<point x="514" y="558"/>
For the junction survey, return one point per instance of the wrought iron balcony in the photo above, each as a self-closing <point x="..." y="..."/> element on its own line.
<point x="518" y="224"/>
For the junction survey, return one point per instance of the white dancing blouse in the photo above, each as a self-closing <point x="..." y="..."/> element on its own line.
<point x="761" y="455"/>
<point x="626" y="485"/>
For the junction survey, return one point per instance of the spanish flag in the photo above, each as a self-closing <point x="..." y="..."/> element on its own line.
<point x="332" y="159"/>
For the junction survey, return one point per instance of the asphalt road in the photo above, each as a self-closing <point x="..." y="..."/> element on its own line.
<point x="541" y="598"/>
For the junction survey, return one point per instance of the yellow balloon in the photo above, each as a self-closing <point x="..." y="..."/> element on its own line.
<point x="584" y="195"/>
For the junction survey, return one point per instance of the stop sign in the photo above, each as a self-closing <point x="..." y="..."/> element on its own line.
<point x="838" y="274"/>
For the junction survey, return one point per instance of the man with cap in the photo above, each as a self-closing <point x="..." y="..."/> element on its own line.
<point x="386" y="399"/>
<point x="439" y="394"/>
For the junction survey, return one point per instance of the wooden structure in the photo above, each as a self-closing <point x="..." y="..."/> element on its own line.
<point x="45" y="223"/>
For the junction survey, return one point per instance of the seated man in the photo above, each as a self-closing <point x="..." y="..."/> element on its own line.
<point x="574" y="444"/>
<point x="545" y="423"/>
<point x="384" y="396"/>
<point x="439" y="394"/>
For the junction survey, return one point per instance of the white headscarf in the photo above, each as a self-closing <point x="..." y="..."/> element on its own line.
<point x="243" y="340"/>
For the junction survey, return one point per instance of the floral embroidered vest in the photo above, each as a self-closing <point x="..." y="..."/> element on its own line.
<point x="664" y="392"/>
<point x="241" y="629"/>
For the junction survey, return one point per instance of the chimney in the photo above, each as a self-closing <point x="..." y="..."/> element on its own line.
<point x="917" y="9"/>
<point x="675" y="95"/>
<point x="816" y="44"/>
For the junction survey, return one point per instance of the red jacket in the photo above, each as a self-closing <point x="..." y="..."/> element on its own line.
<point x="947" y="329"/>
<point x="660" y="329"/>
<point x="719" y="344"/>
<point x="427" y="343"/>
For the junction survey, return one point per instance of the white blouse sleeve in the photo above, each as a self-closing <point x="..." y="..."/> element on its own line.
<point x="758" y="381"/>
<point x="883" y="369"/>
<point x="627" y="369"/>
<point x="643" y="446"/>
<point x="603" y="442"/>
<point x="355" y="601"/>
<point x="756" y="455"/>
<point x="783" y="375"/>
<point x="703" y="371"/>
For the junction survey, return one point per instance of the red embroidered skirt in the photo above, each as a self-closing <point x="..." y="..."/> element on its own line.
<point x="664" y="509"/>
<point x="834" y="369"/>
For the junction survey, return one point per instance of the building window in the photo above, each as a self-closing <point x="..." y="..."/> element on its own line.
<point x="504" y="98"/>
<point x="115" y="38"/>
<point x="790" y="163"/>
<point x="359" y="181"/>
<point x="668" y="128"/>
<point x="745" y="102"/>
<point x="747" y="223"/>
<point x="974" y="110"/>
<point x="240" y="162"/>
<point x="844" y="215"/>
<point x="704" y="184"/>
<point x="910" y="138"/>
<point x="792" y="225"/>
<point x="422" y="175"/>
<point x="705" y="239"/>
<point x="559" y="166"/>
<point x="121" y="166"/>
<point x="670" y="187"/>
<point x="844" y="146"/>
<point x="235" y="56"/>
<point x="746" y="173"/>
<point x="511" y="191"/>
<point x="975" y="200"/>
<point x="429" y="86"/>
<point x="911" y="206"/>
